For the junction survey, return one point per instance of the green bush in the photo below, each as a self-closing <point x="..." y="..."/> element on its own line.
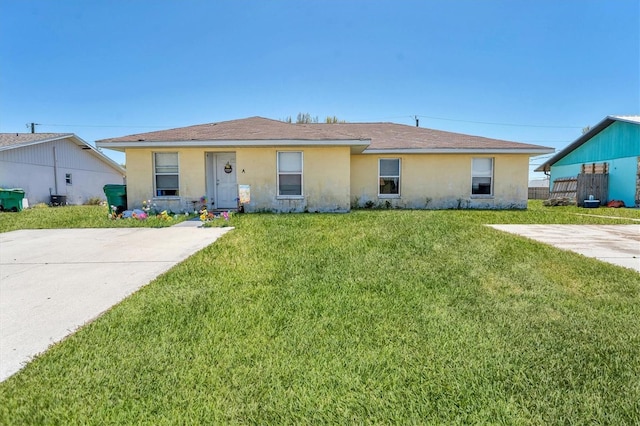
<point x="94" y="201"/>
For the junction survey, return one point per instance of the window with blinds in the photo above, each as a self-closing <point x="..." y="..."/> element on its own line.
<point x="482" y="176"/>
<point x="290" y="174"/>
<point x="389" y="176"/>
<point x="166" y="174"/>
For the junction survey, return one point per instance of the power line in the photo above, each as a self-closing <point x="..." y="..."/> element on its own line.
<point x="501" y="124"/>
<point x="414" y="117"/>
<point x="540" y="157"/>
<point x="106" y="126"/>
<point x="539" y="141"/>
<point x="32" y="126"/>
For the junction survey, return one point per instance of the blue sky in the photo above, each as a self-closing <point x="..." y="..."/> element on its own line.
<point x="528" y="71"/>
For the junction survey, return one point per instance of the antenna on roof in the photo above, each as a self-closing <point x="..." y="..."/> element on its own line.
<point x="33" y="126"/>
<point x="417" y="121"/>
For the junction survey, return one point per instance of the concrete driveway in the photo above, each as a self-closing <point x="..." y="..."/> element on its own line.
<point x="54" y="281"/>
<point x="616" y="244"/>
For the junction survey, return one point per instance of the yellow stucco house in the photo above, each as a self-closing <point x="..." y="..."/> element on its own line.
<point x="282" y="167"/>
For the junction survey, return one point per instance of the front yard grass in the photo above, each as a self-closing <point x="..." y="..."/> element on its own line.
<point x="74" y="217"/>
<point x="369" y="317"/>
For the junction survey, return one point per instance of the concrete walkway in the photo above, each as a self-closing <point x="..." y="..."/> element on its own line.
<point x="616" y="244"/>
<point x="54" y="281"/>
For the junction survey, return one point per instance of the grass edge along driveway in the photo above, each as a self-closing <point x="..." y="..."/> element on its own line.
<point x="369" y="317"/>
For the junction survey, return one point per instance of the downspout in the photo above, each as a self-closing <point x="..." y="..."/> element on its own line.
<point x="55" y="171"/>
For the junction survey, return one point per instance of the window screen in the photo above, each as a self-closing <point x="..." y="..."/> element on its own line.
<point x="167" y="181"/>
<point x="290" y="174"/>
<point x="482" y="176"/>
<point x="389" y="176"/>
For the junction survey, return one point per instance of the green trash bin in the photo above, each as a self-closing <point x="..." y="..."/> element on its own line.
<point x="116" y="196"/>
<point x="11" y="199"/>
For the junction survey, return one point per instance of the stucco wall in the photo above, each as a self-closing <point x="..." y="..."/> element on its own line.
<point x="326" y="172"/>
<point x="441" y="181"/>
<point x="333" y="180"/>
<point x="191" y="165"/>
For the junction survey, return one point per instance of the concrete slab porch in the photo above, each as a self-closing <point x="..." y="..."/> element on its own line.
<point x="616" y="244"/>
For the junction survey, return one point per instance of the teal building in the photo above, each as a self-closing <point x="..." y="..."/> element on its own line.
<point x="613" y="145"/>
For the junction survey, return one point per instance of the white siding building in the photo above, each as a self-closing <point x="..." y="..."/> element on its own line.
<point x="45" y="164"/>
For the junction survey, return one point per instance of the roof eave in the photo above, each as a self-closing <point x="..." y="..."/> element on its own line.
<point x="246" y="143"/>
<point x="528" y="151"/>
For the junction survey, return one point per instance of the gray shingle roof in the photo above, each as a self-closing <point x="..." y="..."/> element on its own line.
<point x="399" y="136"/>
<point x="389" y="136"/>
<point x="254" y="128"/>
<point x="17" y="139"/>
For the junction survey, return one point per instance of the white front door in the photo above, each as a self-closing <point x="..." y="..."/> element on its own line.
<point x="223" y="180"/>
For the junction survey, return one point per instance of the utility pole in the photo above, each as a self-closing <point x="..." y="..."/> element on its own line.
<point x="417" y="121"/>
<point x="33" y="126"/>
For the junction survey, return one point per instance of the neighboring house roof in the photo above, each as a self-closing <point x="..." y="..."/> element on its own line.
<point x="539" y="183"/>
<point x="13" y="140"/>
<point x="609" y="120"/>
<point x="19" y="140"/>
<point x="362" y="137"/>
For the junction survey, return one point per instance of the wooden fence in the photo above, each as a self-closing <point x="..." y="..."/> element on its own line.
<point x="596" y="184"/>
<point x="595" y="168"/>
<point x="538" y="193"/>
<point x="581" y="187"/>
<point x="564" y="188"/>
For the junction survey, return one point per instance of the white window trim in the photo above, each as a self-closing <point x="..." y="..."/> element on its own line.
<point x="399" y="178"/>
<point x="68" y="179"/>
<point x="155" y="188"/>
<point x="493" y="167"/>
<point x="289" y="197"/>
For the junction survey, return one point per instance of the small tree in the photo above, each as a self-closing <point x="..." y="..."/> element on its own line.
<point x="306" y="118"/>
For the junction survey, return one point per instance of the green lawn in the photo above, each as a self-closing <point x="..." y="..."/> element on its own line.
<point x="74" y="217"/>
<point x="369" y="317"/>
